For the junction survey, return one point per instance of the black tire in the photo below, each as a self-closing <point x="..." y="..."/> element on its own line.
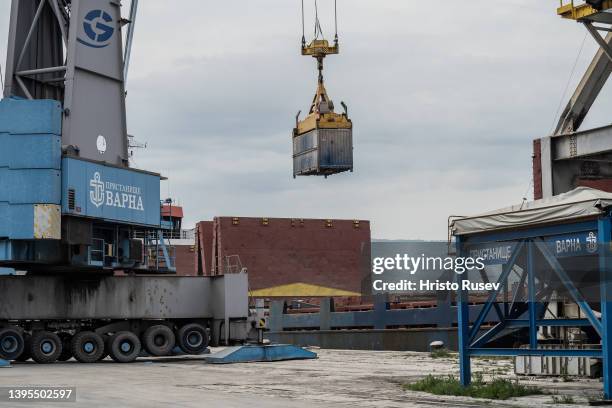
<point x="45" y="347"/>
<point x="192" y="338"/>
<point x="158" y="340"/>
<point x="11" y="343"/>
<point x="66" y="353"/>
<point x="25" y="354"/>
<point x="87" y="346"/>
<point x="124" y="347"/>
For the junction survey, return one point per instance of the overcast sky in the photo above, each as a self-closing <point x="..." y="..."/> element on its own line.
<point x="445" y="101"/>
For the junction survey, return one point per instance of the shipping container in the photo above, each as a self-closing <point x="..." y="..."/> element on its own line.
<point x="290" y="257"/>
<point x="323" y="152"/>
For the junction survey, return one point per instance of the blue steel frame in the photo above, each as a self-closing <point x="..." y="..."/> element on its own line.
<point x="469" y="345"/>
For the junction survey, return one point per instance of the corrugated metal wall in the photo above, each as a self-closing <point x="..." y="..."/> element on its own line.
<point x="335" y="148"/>
<point x="322" y="150"/>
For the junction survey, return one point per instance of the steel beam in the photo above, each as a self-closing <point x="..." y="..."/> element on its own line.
<point x="549" y="322"/>
<point x="536" y="352"/>
<point x="129" y="39"/>
<point x="490" y="334"/>
<point x="586" y="92"/>
<point x="26" y="43"/>
<point x="41" y="71"/>
<point x="574" y="293"/>
<point x="23" y="87"/>
<point x="533" y="328"/>
<point x="605" y="47"/>
<point x="518" y="289"/>
<point x="463" y="326"/>
<point x="604" y="235"/>
<point x="582" y="144"/>
<point x="493" y="294"/>
<point x="61" y="22"/>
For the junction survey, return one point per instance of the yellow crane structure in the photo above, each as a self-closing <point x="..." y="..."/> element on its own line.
<point x="594" y="10"/>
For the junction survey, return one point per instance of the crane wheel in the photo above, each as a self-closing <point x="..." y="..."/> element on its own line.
<point x="66" y="353"/>
<point x="45" y="347"/>
<point x="192" y="338"/>
<point x="158" y="340"/>
<point x="124" y="347"/>
<point x="11" y="343"/>
<point x="87" y="346"/>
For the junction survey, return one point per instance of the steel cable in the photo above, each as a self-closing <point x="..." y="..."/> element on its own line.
<point x="569" y="80"/>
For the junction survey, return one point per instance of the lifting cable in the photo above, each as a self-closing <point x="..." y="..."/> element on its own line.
<point x="303" y="34"/>
<point x="569" y="80"/>
<point x="317" y="28"/>
<point x="336" y="20"/>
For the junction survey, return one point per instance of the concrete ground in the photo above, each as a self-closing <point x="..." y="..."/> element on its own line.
<point x="338" y="378"/>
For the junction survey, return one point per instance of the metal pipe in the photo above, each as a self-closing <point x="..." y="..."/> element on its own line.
<point x="41" y="71"/>
<point x="23" y="87"/>
<point x="129" y="39"/>
<point x="29" y="36"/>
<point x="60" y="19"/>
<point x="602" y="28"/>
<point x="52" y="80"/>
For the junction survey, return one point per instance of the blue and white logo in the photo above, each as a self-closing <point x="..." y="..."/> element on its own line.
<point x="112" y="194"/>
<point x="591" y="243"/>
<point x="97" y="29"/>
<point x="96" y="194"/>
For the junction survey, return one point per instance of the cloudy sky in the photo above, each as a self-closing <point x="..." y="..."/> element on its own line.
<point x="445" y="101"/>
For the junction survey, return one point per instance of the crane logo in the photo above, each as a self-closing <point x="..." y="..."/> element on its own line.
<point x="96" y="194"/>
<point x="97" y="28"/>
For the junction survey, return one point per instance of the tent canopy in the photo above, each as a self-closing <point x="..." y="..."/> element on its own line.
<point x="582" y="202"/>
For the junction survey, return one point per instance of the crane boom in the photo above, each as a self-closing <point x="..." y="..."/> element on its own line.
<point x="586" y="92"/>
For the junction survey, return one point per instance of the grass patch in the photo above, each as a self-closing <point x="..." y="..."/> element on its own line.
<point x="441" y="353"/>
<point x="563" y="399"/>
<point x="498" y="388"/>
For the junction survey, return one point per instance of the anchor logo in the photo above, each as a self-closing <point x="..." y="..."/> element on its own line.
<point x="591" y="245"/>
<point x="96" y="194"/>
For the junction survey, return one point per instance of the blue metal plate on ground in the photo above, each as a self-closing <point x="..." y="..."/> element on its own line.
<point x="258" y="353"/>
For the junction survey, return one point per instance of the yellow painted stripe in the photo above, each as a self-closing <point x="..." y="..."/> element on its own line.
<point x="301" y="289"/>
